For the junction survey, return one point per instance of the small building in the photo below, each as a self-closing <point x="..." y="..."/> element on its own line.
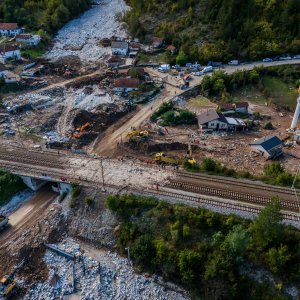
<point x="241" y="107"/>
<point x="119" y="48"/>
<point x="125" y="85"/>
<point x="11" y="77"/>
<point x="226" y="107"/>
<point x="235" y="124"/>
<point x="29" y="39"/>
<point x="157" y="42"/>
<point x="270" y="147"/>
<point x="10" y="29"/>
<point x="172" y="49"/>
<point x="9" y="52"/>
<point x="115" y="61"/>
<point x="212" y="120"/>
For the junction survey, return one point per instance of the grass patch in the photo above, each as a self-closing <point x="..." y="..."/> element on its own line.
<point x="201" y="102"/>
<point x="9" y="186"/>
<point x="279" y="92"/>
<point x="35" y="52"/>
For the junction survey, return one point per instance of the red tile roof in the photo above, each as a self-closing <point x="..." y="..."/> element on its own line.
<point x="8" y="48"/>
<point x="157" y="40"/>
<point x="171" y="48"/>
<point x="241" y="104"/>
<point x="126" y="83"/>
<point x="227" y="106"/>
<point x="8" y="26"/>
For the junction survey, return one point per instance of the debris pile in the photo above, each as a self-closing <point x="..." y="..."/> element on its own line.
<point x="105" y="276"/>
<point x="81" y="36"/>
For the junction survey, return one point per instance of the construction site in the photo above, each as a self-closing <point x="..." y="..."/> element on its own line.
<point x="77" y="121"/>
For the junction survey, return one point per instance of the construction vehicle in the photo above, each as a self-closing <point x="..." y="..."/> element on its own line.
<point x="3" y="222"/>
<point x="141" y="133"/>
<point x="162" y="158"/>
<point x="79" y="131"/>
<point x="8" y="284"/>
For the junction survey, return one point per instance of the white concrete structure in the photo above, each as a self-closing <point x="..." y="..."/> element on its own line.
<point x="32" y="183"/>
<point x="119" y="48"/>
<point x="10" y="29"/>
<point x="9" y="52"/>
<point x="29" y="39"/>
<point x="296" y="114"/>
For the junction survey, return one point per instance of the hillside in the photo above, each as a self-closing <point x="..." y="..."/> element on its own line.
<point x="39" y="14"/>
<point x="220" y="29"/>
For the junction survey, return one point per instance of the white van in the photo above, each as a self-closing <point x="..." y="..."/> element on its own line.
<point x="207" y="69"/>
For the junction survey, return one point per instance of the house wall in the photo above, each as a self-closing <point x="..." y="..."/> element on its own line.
<point x="243" y="110"/>
<point x="119" y="51"/>
<point x="124" y="89"/>
<point x="33" y="41"/>
<point x="259" y="149"/>
<point x="214" y="125"/>
<point x="11" y="32"/>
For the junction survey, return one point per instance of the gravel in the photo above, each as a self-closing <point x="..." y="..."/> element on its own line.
<point x="80" y="36"/>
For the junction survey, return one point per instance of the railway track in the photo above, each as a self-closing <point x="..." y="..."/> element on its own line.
<point x="218" y="203"/>
<point x="247" y="192"/>
<point x="31" y="158"/>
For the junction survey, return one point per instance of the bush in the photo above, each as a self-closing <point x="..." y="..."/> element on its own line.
<point x="88" y="201"/>
<point x="268" y="126"/>
<point x="76" y="190"/>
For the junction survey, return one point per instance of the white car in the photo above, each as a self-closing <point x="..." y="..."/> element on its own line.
<point x="267" y="59"/>
<point x="297" y="56"/>
<point x="285" y="58"/>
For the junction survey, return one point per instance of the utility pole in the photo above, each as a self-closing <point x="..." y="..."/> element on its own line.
<point x="128" y="254"/>
<point x="19" y="133"/>
<point x="102" y="171"/>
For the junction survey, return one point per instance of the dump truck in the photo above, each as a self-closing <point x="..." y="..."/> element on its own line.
<point x="141" y="133"/>
<point x="3" y="222"/>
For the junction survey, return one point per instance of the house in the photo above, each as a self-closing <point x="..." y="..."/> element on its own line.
<point x="226" y="107"/>
<point x="235" y="124"/>
<point x="29" y="39"/>
<point x="11" y="77"/>
<point x="212" y="120"/>
<point x="115" y="61"/>
<point x="3" y="70"/>
<point x="157" y="42"/>
<point x="10" y="29"/>
<point x="125" y="85"/>
<point x="270" y="147"/>
<point x="9" y="52"/>
<point x="172" y="49"/>
<point x="241" y="107"/>
<point x="119" y="48"/>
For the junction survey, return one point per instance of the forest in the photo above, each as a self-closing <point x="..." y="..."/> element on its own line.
<point x="213" y="256"/>
<point x="219" y="30"/>
<point x="35" y="15"/>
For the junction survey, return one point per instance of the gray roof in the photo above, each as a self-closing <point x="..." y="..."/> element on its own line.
<point x="268" y="142"/>
<point x="119" y="44"/>
<point x="207" y="116"/>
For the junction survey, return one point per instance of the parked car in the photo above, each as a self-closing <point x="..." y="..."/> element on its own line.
<point x="267" y="59"/>
<point x="188" y="65"/>
<point x="176" y="67"/>
<point x="285" y="58"/>
<point x="197" y="73"/>
<point x="297" y="56"/>
<point x="234" y="62"/>
<point x="207" y="69"/>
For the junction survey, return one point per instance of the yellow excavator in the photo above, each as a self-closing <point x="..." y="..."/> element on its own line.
<point x="162" y="158"/>
<point x="141" y="133"/>
<point x="7" y="285"/>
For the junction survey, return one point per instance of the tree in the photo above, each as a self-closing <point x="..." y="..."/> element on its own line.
<point x="277" y="258"/>
<point x="181" y="58"/>
<point x="267" y="228"/>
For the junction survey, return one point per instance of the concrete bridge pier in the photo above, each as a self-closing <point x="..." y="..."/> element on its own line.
<point x="33" y="183"/>
<point x="62" y="187"/>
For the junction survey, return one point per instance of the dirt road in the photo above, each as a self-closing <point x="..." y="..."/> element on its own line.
<point x="27" y="215"/>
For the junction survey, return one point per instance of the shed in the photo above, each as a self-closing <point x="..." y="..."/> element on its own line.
<point x="270" y="147"/>
<point x="157" y="42"/>
<point x="242" y="107"/>
<point x="119" y="48"/>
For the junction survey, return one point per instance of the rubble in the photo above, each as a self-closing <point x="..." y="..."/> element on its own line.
<point x="81" y="36"/>
<point x="96" y="274"/>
